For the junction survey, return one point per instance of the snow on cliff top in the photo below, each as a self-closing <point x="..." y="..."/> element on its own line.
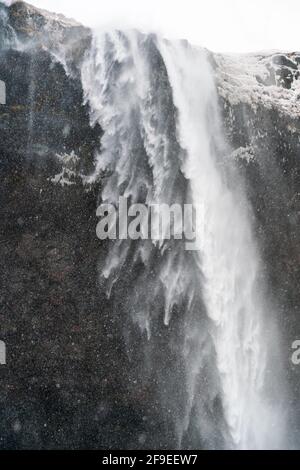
<point x="48" y="16"/>
<point x="270" y="80"/>
<point x="56" y="17"/>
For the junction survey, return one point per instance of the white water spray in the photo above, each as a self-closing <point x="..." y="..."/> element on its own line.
<point x="128" y="101"/>
<point x="228" y="256"/>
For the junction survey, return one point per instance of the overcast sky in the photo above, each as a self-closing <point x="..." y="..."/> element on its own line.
<point x="221" y="25"/>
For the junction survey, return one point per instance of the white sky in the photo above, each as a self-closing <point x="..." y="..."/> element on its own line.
<point x="220" y="25"/>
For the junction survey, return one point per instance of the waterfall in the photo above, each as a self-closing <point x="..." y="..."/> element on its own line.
<point x="202" y="316"/>
<point x="228" y="255"/>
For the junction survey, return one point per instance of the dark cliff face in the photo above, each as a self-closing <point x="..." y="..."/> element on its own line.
<point x="64" y="383"/>
<point x="66" y="380"/>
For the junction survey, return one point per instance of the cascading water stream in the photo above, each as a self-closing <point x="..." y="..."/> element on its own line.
<point x="228" y="256"/>
<point x="157" y="104"/>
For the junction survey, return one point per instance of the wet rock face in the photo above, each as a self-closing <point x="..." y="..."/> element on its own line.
<point x="63" y="385"/>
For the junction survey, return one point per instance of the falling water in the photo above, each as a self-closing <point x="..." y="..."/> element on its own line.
<point x="157" y="104"/>
<point x="228" y="256"/>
